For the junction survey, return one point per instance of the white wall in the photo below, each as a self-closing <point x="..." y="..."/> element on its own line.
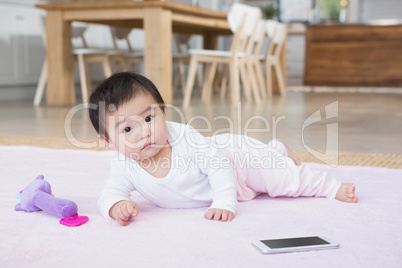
<point x="374" y="10"/>
<point x="366" y="11"/>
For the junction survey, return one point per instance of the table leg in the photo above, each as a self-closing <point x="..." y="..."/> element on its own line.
<point x="60" y="79"/>
<point x="158" y="50"/>
<point x="210" y="42"/>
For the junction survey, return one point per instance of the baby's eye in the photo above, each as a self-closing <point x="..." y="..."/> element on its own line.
<point x="127" y="130"/>
<point x="148" y="118"/>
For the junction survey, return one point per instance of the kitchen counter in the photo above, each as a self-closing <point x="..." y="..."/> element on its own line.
<point x="353" y="55"/>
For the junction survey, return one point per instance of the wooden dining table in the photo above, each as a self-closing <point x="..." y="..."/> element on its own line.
<point x="159" y="19"/>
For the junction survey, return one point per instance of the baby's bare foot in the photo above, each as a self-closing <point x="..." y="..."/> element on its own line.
<point x="346" y="193"/>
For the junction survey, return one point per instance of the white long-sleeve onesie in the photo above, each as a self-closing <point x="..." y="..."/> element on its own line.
<point x="214" y="172"/>
<point x="200" y="175"/>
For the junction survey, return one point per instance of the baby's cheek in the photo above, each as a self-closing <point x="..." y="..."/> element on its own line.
<point x="161" y="136"/>
<point x="132" y="139"/>
<point x="128" y="148"/>
<point x="132" y="153"/>
<point x="126" y="140"/>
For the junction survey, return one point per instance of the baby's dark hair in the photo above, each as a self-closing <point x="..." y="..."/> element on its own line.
<point x="115" y="91"/>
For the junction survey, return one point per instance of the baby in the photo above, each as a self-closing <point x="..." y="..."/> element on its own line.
<point x="174" y="166"/>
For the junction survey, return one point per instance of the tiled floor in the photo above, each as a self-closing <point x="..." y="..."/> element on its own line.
<point x="352" y="122"/>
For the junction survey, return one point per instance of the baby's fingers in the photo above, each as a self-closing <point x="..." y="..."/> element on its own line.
<point x="218" y="214"/>
<point x="124" y="212"/>
<point x="227" y="216"/>
<point x="121" y="219"/>
<point x="132" y="209"/>
<point x="231" y="216"/>
<point x="209" y="214"/>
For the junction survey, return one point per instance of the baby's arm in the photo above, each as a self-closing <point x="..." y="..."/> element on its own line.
<point x="224" y="202"/>
<point x="215" y="164"/>
<point x="114" y="199"/>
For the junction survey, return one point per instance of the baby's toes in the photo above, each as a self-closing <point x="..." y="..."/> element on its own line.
<point x="349" y="195"/>
<point x="350" y="188"/>
<point x="346" y="193"/>
<point x="354" y="199"/>
<point x="351" y="199"/>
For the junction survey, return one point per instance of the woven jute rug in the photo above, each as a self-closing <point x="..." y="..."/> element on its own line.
<point x="341" y="158"/>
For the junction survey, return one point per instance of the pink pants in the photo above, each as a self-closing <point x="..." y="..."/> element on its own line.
<point x="265" y="168"/>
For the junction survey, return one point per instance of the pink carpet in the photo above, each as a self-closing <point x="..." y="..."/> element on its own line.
<point x="369" y="232"/>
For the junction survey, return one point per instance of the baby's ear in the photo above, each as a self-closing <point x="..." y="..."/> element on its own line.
<point x="103" y="139"/>
<point x="106" y="141"/>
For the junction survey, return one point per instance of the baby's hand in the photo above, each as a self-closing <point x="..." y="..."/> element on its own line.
<point x="219" y="214"/>
<point x="123" y="211"/>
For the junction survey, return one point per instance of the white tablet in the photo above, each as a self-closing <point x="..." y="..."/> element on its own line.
<point x="294" y="244"/>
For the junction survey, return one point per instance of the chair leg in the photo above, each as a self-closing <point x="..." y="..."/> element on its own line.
<point x="234" y="81"/>
<point x="123" y="64"/>
<point x="89" y="76"/>
<point x="197" y="80"/>
<point x="182" y="75"/>
<point x="131" y="67"/>
<point x="83" y="78"/>
<point x="107" y="70"/>
<point x="215" y="83"/>
<point x="176" y="80"/>
<point x="280" y="78"/>
<point x="207" y="78"/>
<point x="40" y="89"/>
<point x="268" y="70"/>
<point x="260" y="79"/>
<point x="253" y="81"/>
<point x="211" y="82"/>
<point x="190" y="81"/>
<point x="245" y="81"/>
<point x="117" y="64"/>
<point x="218" y="77"/>
<point x="224" y="81"/>
<point x="114" y="65"/>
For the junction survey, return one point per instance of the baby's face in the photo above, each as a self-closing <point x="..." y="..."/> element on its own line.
<point x="138" y="128"/>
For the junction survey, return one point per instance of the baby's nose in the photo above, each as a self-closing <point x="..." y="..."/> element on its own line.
<point x="145" y="132"/>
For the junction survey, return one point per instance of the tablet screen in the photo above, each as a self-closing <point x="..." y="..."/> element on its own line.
<point x="294" y="242"/>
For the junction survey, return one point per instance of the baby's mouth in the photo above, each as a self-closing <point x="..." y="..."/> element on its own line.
<point x="147" y="145"/>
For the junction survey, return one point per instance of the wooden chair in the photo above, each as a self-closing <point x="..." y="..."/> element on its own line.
<point x="250" y="68"/>
<point x="82" y="56"/>
<point x="252" y="65"/>
<point x="277" y="33"/>
<point x="182" y="58"/>
<point x="270" y="29"/>
<point x="127" y="57"/>
<point x="243" y="21"/>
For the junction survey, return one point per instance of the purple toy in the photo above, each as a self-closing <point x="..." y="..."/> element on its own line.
<point x="38" y="196"/>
